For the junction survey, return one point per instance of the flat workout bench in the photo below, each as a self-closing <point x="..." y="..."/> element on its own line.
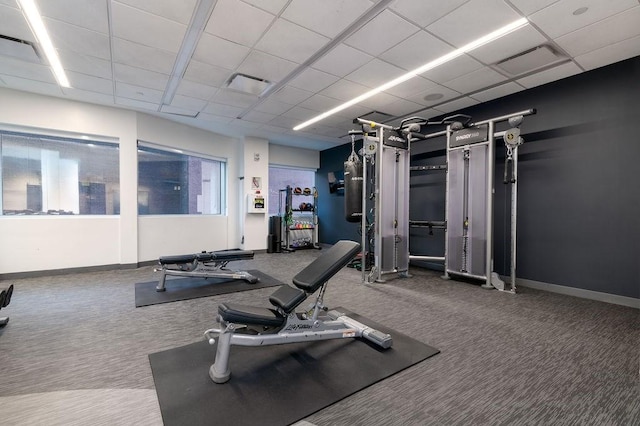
<point x="255" y="326"/>
<point x="210" y="264"/>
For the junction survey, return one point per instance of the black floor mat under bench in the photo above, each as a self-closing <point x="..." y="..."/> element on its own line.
<point x="192" y="288"/>
<point x="275" y="385"/>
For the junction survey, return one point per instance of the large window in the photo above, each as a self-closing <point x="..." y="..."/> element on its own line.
<point x="47" y="175"/>
<point x="174" y="182"/>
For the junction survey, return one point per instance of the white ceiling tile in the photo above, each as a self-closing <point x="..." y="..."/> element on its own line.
<point x="375" y="73"/>
<point x="290" y="95"/>
<point x="411" y="87"/>
<point x="90" y="83"/>
<point x="14" y="24"/>
<point x="267" y="67"/>
<point x="527" y="7"/>
<point x="140" y="77"/>
<point x="233" y="98"/>
<point x="456" y="105"/>
<point x="170" y="109"/>
<point x="299" y="113"/>
<point x="497" y="92"/>
<point x="477" y="18"/>
<point x="88" y="96"/>
<point x="188" y="103"/>
<point x="203" y="116"/>
<point x="327" y="17"/>
<point x="259" y="117"/>
<point x="558" y="19"/>
<point x="607" y="55"/>
<point x="556" y="73"/>
<point x="425" y="12"/>
<point x="85" y="64"/>
<point x="26" y="70"/>
<point x="230" y="20"/>
<point x="401" y="107"/>
<point x="222" y="110"/>
<point x="342" y="60"/>
<point x="381" y="33"/>
<point x="206" y="74"/>
<point x="320" y="103"/>
<point x="91" y="14"/>
<point x="353" y="111"/>
<point x="435" y="89"/>
<point x="70" y="37"/>
<point x="516" y="42"/>
<point x="271" y="6"/>
<point x="179" y="11"/>
<point x="27" y="85"/>
<point x="416" y="51"/>
<point x="379" y="102"/>
<point x="290" y="41"/>
<point x="214" y="50"/>
<point x="245" y="123"/>
<point x="137" y="55"/>
<point x="603" y="33"/>
<point x="313" y="80"/>
<point x="285" y="122"/>
<point x="195" y="90"/>
<point x="136" y="104"/>
<point x="344" y="90"/>
<point x="144" y="28"/>
<point x="476" y="80"/>
<point x="459" y="66"/>
<point x="130" y="91"/>
<point x="271" y="106"/>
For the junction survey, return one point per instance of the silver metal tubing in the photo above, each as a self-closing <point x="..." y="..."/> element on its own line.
<point x="374" y="124"/>
<point x="514" y="216"/>
<point x="489" y="207"/>
<point x="363" y="219"/>
<point x="530" y="111"/>
<point x="421" y="137"/>
<point x="446" y="204"/>
<point x="427" y="258"/>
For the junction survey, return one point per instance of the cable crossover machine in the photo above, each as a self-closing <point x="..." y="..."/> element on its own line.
<point x="377" y="195"/>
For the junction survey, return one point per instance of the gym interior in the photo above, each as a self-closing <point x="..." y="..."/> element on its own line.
<point x="389" y="212"/>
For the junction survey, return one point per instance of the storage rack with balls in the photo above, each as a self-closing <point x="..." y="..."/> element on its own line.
<point x="299" y="218"/>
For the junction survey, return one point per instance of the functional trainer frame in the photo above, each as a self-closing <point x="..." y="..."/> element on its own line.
<point x="254" y="326"/>
<point x="385" y="193"/>
<point x="204" y="265"/>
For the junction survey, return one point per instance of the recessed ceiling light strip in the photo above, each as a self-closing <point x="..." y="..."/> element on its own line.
<point x="30" y="11"/>
<point x="501" y="32"/>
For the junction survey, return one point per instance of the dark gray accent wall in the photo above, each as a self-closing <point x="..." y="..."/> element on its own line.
<point x="579" y="184"/>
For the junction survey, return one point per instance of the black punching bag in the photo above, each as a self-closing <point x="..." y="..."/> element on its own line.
<point x="353" y="189"/>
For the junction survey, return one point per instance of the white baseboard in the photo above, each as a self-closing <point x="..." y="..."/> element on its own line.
<point x="579" y="292"/>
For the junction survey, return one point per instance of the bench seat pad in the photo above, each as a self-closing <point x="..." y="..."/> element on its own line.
<point x="250" y="315"/>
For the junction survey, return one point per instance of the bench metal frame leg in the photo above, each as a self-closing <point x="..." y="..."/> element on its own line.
<point x="294" y="330"/>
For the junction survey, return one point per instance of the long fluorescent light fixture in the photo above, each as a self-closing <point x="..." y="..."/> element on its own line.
<point x="426" y="67"/>
<point x="30" y="11"/>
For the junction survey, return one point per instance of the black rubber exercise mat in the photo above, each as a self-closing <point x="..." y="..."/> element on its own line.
<point x="192" y="288"/>
<point x="275" y="385"/>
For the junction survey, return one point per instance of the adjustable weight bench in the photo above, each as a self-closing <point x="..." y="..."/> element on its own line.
<point x="210" y="264"/>
<point x="280" y="324"/>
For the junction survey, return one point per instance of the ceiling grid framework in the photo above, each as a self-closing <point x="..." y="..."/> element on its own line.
<point x="315" y="56"/>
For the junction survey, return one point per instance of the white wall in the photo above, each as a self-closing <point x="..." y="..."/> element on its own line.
<point x="280" y="155"/>
<point x="256" y="164"/>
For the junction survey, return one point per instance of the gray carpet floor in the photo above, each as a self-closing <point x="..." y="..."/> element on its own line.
<point x="75" y="351"/>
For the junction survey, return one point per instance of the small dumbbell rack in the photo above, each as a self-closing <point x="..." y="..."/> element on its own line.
<point x="299" y="211"/>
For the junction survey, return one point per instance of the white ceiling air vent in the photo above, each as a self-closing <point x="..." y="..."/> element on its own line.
<point x="19" y="49"/>
<point x="248" y="84"/>
<point x="530" y="60"/>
